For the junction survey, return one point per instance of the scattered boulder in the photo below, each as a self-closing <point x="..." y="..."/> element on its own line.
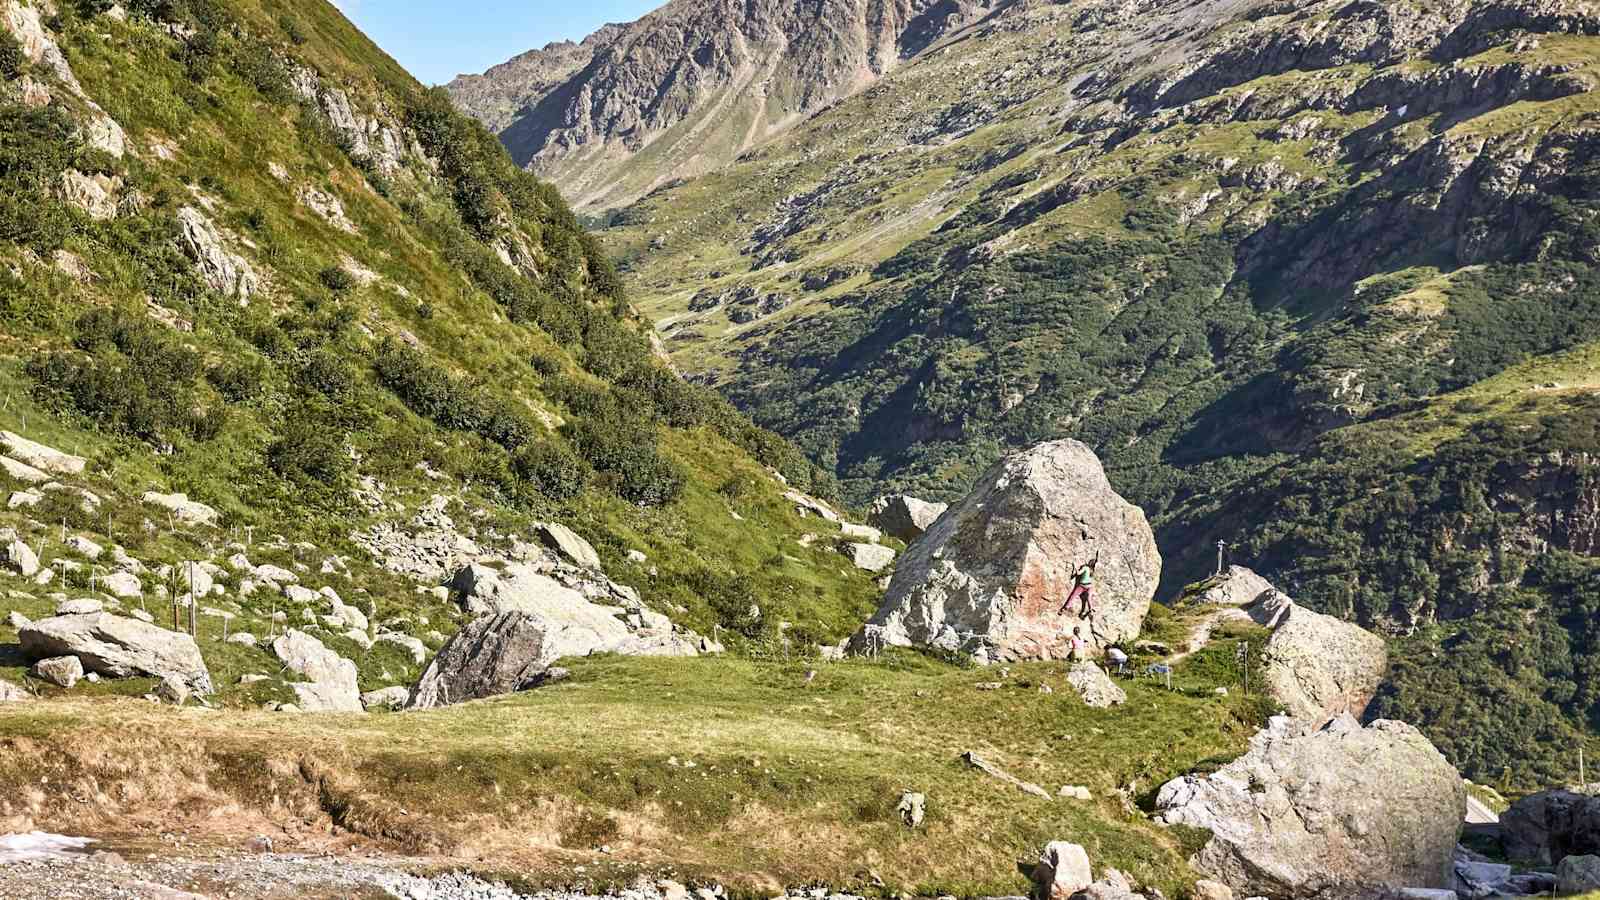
<point x="40" y="457"/>
<point x="499" y="654"/>
<point x="1095" y="686"/>
<point x="860" y="532"/>
<point x="1062" y="871"/>
<point x="189" y="512"/>
<point x="993" y="771"/>
<point x="989" y="577"/>
<point x="912" y="808"/>
<point x="274" y="575"/>
<point x="1308" y="811"/>
<point x="868" y="557"/>
<point x="1074" y="792"/>
<point x="1236" y="586"/>
<point x="81" y="607"/>
<point x="17" y="620"/>
<point x="566" y="542"/>
<point x="61" y="671"/>
<point x="806" y="505"/>
<point x="1206" y="889"/>
<point x="85" y="547"/>
<point x="411" y="645"/>
<point x="330" y="684"/>
<point x="172" y="690"/>
<point x="1577" y="875"/>
<point x="122" y="585"/>
<point x="243" y="639"/>
<point x="904" y="517"/>
<point x="119" y="647"/>
<point x="23" y="472"/>
<point x="1479" y="877"/>
<point x="24" y="499"/>
<point x="483" y="589"/>
<point x="18" y="556"/>
<point x="395" y="697"/>
<point x="1316" y="665"/>
<point x="1544" y="827"/>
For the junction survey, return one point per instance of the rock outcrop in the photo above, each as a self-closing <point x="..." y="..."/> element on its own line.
<point x="903" y="516"/>
<point x="223" y="270"/>
<point x="112" y="645"/>
<point x="1316" y="665"/>
<point x="40" y="457"/>
<point x="1545" y="827"/>
<point x="189" y="512"/>
<point x="1312" y="811"/>
<point x="991" y="575"/>
<point x="331" y="680"/>
<point x="1236" y="586"/>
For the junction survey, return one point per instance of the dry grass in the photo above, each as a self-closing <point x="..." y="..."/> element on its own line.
<point x="732" y="770"/>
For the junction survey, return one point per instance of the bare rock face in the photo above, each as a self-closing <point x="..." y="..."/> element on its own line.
<point x="1317" y="666"/>
<point x="991" y="575"/>
<point x="904" y="517"/>
<point x="40" y="457"/>
<point x="116" y="646"/>
<point x="1314" y="812"/>
<point x="697" y="82"/>
<point x="224" y="271"/>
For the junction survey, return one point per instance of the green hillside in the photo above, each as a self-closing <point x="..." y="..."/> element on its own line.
<point x="1314" y="279"/>
<point x="389" y="312"/>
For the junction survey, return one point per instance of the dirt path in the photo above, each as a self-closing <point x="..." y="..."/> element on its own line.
<point x="1200" y="633"/>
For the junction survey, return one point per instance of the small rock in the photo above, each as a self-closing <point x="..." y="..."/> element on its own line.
<point x="395" y="697"/>
<point x="189" y="512"/>
<point x="1074" y="792"/>
<point x="61" y="671"/>
<point x="82" y="545"/>
<point x="258" y="844"/>
<point x="172" y="689"/>
<point x="243" y="639"/>
<point x="912" y="807"/>
<point x="1062" y="870"/>
<point x="1206" y="889"/>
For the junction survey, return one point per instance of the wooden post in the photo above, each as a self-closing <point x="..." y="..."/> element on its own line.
<point x="1583" y="776"/>
<point x="1220" y="544"/>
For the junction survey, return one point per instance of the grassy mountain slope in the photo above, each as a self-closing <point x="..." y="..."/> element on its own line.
<point x="313" y="296"/>
<point x="1304" y="274"/>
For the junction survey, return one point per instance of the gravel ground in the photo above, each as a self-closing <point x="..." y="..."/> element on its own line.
<point x="263" y="876"/>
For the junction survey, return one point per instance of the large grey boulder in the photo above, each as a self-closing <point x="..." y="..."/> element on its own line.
<point x="330" y="684"/>
<point x="224" y="271"/>
<point x="119" y="647"/>
<point x="486" y="590"/>
<point x="494" y="655"/>
<point x="990" y="576"/>
<point x="1062" y="871"/>
<point x="1309" y="812"/>
<point x="1544" y="828"/>
<point x="1316" y="665"/>
<point x="903" y="516"/>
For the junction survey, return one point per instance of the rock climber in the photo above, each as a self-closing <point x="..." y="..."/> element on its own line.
<point x="1083" y="586"/>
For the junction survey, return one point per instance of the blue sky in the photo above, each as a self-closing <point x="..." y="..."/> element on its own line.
<point x="439" y="40"/>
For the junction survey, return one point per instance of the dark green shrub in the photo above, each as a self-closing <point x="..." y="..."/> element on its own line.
<point x="336" y="279"/>
<point x="292" y="31"/>
<point x="238" y="379"/>
<point x="12" y="60"/>
<point x="551" y="469"/>
<point x="259" y="65"/>
<point x="311" y="451"/>
<point x="546" y="364"/>
<point x="327" y="372"/>
<point x="626" y="453"/>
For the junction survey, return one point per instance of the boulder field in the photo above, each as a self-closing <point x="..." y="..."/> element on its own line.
<point x="990" y="575"/>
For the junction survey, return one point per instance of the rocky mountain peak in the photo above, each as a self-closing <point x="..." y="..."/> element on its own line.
<point x="693" y="85"/>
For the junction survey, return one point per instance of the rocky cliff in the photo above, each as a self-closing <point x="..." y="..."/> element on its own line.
<point x="688" y="88"/>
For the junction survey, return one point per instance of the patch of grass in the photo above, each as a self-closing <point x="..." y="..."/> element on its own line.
<point x="744" y="771"/>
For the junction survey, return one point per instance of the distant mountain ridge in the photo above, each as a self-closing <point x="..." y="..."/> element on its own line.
<point x="689" y="87"/>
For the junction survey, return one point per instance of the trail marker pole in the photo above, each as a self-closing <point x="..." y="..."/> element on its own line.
<point x="1220" y="545"/>
<point x="1583" y="776"/>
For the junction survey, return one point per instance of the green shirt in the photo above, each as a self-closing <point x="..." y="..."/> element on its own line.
<point x="1084" y="576"/>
